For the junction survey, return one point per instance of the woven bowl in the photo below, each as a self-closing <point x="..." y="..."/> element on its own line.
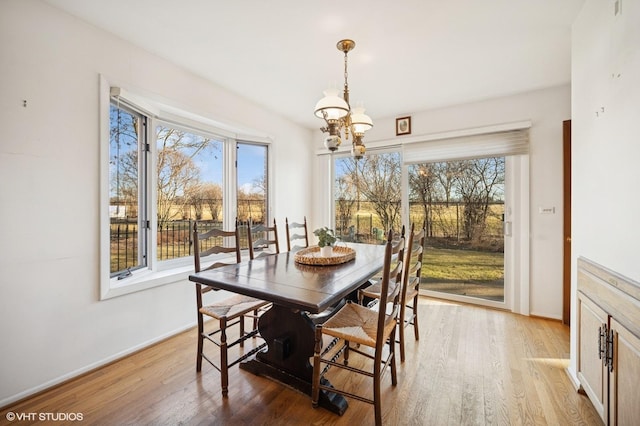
<point x="311" y="256"/>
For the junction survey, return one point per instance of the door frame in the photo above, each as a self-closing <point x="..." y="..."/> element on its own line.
<point x="566" y="201"/>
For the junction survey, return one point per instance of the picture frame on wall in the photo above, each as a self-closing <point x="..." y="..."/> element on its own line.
<point x="403" y="126"/>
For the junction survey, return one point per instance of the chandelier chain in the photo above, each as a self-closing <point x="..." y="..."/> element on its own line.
<point x="346" y="76"/>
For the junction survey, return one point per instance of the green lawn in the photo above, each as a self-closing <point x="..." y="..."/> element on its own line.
<point x="464" y="272"/>
<point x="451" y="265"/>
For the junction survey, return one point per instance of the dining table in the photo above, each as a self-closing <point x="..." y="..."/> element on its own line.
<point x="302" y="295"/>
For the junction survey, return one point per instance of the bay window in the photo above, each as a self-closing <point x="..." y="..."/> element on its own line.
<point x="161" y="173"/>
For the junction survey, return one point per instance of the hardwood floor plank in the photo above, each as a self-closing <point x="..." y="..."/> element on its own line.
<point x="471" y="366"/>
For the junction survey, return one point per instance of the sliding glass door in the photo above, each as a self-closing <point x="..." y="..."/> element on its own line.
<point x="471" y="194"/>
<point x="462" y="206"/>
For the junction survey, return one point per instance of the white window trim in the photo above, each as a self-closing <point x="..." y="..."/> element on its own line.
<point x="176" y="270"/>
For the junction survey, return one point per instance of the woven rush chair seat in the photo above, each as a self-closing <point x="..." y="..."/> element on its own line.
<point x="357" y="324"/>
<point x="233" y="307"/>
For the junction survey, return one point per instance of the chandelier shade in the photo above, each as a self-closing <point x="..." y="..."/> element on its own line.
<point x="332" y="106"/>
<point x="360" y="121"/>
<point x="339" y="116"/>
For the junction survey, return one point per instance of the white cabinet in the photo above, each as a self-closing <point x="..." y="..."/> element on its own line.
<point x="624" y="377"/>
<point x="592" y="371"/>
<point x="608" y="356"/>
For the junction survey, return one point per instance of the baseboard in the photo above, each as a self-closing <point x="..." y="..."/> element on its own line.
<point x="30" y="393"/>
<point x="544" y="317"/>
<point x="574" y="380"/>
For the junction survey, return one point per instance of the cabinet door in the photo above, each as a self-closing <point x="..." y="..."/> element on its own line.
<point x="625" y="377"/>
<point x="591" y="370"/>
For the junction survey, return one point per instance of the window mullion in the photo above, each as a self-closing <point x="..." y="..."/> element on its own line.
<point x="230" y="174"/>
<point x="151" y="194"/>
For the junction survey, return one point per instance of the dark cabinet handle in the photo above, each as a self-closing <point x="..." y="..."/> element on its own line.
<point x="602" y="345"/>
<point x="609" y="360"/>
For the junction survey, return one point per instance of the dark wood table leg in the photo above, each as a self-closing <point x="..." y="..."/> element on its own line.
<point x="290" y="342"/>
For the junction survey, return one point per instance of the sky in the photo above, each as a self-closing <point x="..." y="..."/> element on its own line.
<point x="251" y="160"/>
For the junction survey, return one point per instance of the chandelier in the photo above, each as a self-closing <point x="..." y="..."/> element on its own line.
<point x="339" y="116"/>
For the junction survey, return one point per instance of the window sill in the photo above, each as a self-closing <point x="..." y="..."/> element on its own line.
<point x="169" y="272"/>
<point x="143" y="280"/>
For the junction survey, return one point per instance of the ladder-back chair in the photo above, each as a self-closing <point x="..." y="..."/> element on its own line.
<point x="411" y="278"/>
<point x="266" y="243"/>
<point x="362" y="326"/>
<point x="372" y="291"/>
<point x="228" y="311"/>
<point x="296" y="234"/>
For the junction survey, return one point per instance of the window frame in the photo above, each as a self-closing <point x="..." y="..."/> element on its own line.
<point x="268" y="187"/>
<point x="142" y="199"/>
<point x="157" y="273"/>
<point x="227" y="175"/>
<point x="391" y="149"/>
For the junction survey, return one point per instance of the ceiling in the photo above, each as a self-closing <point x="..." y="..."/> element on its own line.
<point x="410" y="55"/>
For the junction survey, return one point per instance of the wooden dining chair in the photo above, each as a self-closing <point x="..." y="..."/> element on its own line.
<point x="296" y="234"/>
<point x="411" y="278"/>
<point x="266" y="243"/>
<point x="223" y="247"/>
<point x="370" y="292"/>
<point x="361" y="326"/>
<point x="410" y="287"/>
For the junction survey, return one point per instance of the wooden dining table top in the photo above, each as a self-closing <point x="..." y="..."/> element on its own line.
<point x="280" y="279"/>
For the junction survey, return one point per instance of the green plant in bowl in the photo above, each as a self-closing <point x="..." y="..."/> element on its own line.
<point x="325" y="236"/>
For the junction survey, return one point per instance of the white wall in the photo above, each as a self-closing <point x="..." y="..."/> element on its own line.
<point x="606" y="145"/>
<point x="52" y="325"/>
<point x="546" y="109"/>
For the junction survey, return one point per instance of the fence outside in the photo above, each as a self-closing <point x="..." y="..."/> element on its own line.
<point x="450" y="221"/>
<point x="174" y="240"/>
<point x="444" y="221"/>
<point x="123" y="244"/>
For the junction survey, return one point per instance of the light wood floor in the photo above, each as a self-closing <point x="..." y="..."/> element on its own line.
<point x="471" y="366"/>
